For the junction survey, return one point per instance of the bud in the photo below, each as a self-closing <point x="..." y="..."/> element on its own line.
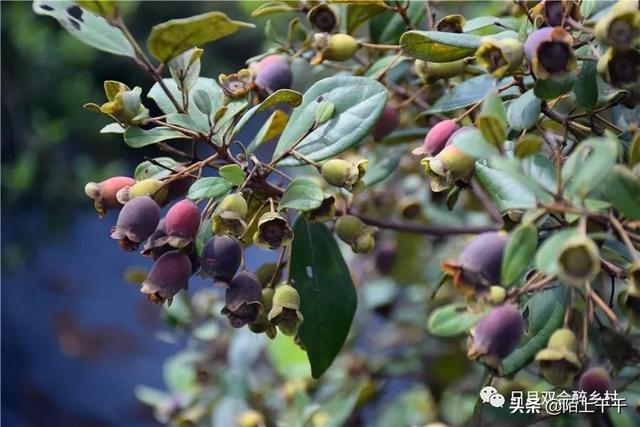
<point x="480" y="263"/>
<point x="264" y="324"/>
<point x="449" y="165"/>
<point x="273" y="73"/>
<point x="550" y="53"/>
<point x="497" y="334"/>
<point x="355" y="233"/>
<point x="500" y="57"/>
<point x="236" y="85"/>
<point x="167" y="277"/>
<point x="229" y="216"/>
<point x="341" y="173"/>
<point x="620" y="69"/>
<point x="242" y="300"/>
<point x="273" y="231"/>
<point x="451" y="24"/>
<point x="559" y="360"/>
<point x="138" y="219"/>
<point x="620" y="28"/>
<point x="436" y="138"/>
<point x="221" y="258"/>
<point x="595" y="380"/>
<point x="123" y="103"/>
<point x="323" y="18"/>
<point x="181" y="223"/>
<point x="323" y="213"/>
<point x="153" y="188"/>
<point x="579" y="261"/>
<point x="431" y="72"/>
<point x="334" y="47"/>
<point x="104" y="193"/>
<point x="285" y="313"/>
<point x="497" y="295"/>
<point x="387" y="123"/>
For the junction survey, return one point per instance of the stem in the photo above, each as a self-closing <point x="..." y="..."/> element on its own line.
<point x="488" y="204"/>
<point x="606" y="309"/>
<point x="403" y="12"/>
<point x="380" y="46"/>
<point x="625" y="237"/>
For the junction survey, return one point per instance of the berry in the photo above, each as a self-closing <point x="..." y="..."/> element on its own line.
<point x="242" y="300"/>
<point x="264" y="324"/>
<point x="620" y="69"/>
<point x="387" y="123"/>
<point x="385" y="258"/>
<point x="273" y="231"/>
<point x="228" y="218"/>
<point x="323" y="18"/>
<point x="550" y="53"/>
<point x="341" y="173"/>
<point x="273" y="73"/>
<point x="437" y="137"/>
<point x="500" y="56"/>
<point x="595" y="380"/>
<point x="104" y="193"/>
<point x="285" y="313"/>
<point x="138" y="219"/>
<point x="355" y="233"/>
<point x="147" y="187"/>
<point x="167" y="277"/>
<point x="236" y="85"/>
<point x="579" y="261"/>
<point x="620" y="28"/>
<point x="480" y="262"/>
<point x="221" y="258"/>
<point x="451" y="24"/>
<point x="497" y="334"/>
<point x="336" y="47"/>
<point x="156" y="243"/>
<point x="431" y="72"/>
<point x="559" y="360"/>
<point x="181" y="223"/>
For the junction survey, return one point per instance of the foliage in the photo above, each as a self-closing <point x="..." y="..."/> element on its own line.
<point x="542" y="165"/>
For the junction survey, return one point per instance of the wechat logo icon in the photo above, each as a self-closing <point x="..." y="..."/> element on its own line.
<point x="491" y="395"/>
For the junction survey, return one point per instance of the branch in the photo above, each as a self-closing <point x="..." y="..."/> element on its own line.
<point x="429" y="229"/>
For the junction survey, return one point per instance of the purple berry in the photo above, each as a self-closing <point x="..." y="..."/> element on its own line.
<point x="167" y="277"/>
<point x="221" y="258"/>
<point x="273" y="73"/>
<point x="242" y="300"/>
<point x="138" y="219"/>
<point x="387" y="123"/>
<point x="498" y="333"/>
<point x="595" y="380"/>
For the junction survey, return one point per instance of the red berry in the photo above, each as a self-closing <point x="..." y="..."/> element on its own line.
<point x="181" y="223"/>
<point x="437" y="138"/>
<point x="167" y="277"/>
<point x="104" y="193"/>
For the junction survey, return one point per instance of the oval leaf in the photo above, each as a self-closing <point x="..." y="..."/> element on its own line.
<point x="232" y="173"/>
<point x="147" y="169"/>
<point x="302" y="194"/>
<point x="466" y="93"/>
<point x="523" y="111"/>
<point x="358" y="101"/>
<point x="438" y="46"/>
<point x="589" y="165"/>
<point x="173" y="37"/>
<point x="451" y="320"/>
<point x="623" y="191"/>
<point x="518" y="253"/>
<point x="327" y="295"/>
<point x="137" y="137"/>
<point x="208" y="187"/>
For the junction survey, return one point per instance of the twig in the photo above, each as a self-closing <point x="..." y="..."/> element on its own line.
<point x="625" y="237"/>
<point x="429" y="229"/>
<point x="488" y="204"/>
<point x="606" y="309"/>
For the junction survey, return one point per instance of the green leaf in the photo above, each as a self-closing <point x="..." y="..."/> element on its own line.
<point x="586" y="87"/>
<point x="327" y="294"/>
<point x="205" y="232"/>
<point x="623" y="190"/>
<point x="466" y="93"/>
<point x="271" y="128"/>
<point x="547" y="255"/>
<point x="382" y="164"/>
<point x="404" y="135"/>
<point x="105" y="8"/>
<point x="532" y="173"/>
<point x="357" y="14"/>
<point x="505" y="191"/>
<point x="208" y="86"/>
<point x="272" y="7"/>
<point x="528" y="145"/>
<point x="232" y="173"/>
<point x="90" y="29"/>
<point x="302" y="194"/>
<point x="378" y="67"/>
<point x="282" y="96"/>
<point x="112" y="128"/>
<point x="358" y="101"/>
<point x="587" y="7"/>
<point x="488" y="21"/>
<point x="437" y="46"/>
<point x="387" y="27"/>
<point x="589" y="164"/>
<point x="551" y="89"/>
<point x="289" y="360"/>
<point x="137" y="137"/>
<point x="546" y="312"/>
<point x="146" y="169"/>
<point x="474" y="144"/>
<point x="523" y="111"/>
<point x="173" y="37"/>
<point x="209" y="187"/>
<point x="492" y="120"/>
<point x="518" y="253"/>
<point x="182" y="120"/>
<point x="202" y="101"/>
<point x="451" y="320"/>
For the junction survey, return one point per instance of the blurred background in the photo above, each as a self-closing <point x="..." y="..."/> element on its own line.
<point x="76" y="339"/>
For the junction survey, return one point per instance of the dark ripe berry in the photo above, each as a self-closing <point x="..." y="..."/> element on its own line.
<point x="387" y="123"/>
<point x="104" y="193"/>
<point x="621" y="69"/>
<point x="167" y="277"/>
<point x="273" y="73"/>
<point x="181" y="223"/>
<point x="451" y="24"/>
<point x="156" y="243"/>
<point x="437" y="138"/>
<point x="549" y="51"/>
<point x="221" y="258"/>
<point x="242" y="300"/>
<point x="595" y="380"/>
<point x="138" y="219"/>
<point x="498" y="333"/>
